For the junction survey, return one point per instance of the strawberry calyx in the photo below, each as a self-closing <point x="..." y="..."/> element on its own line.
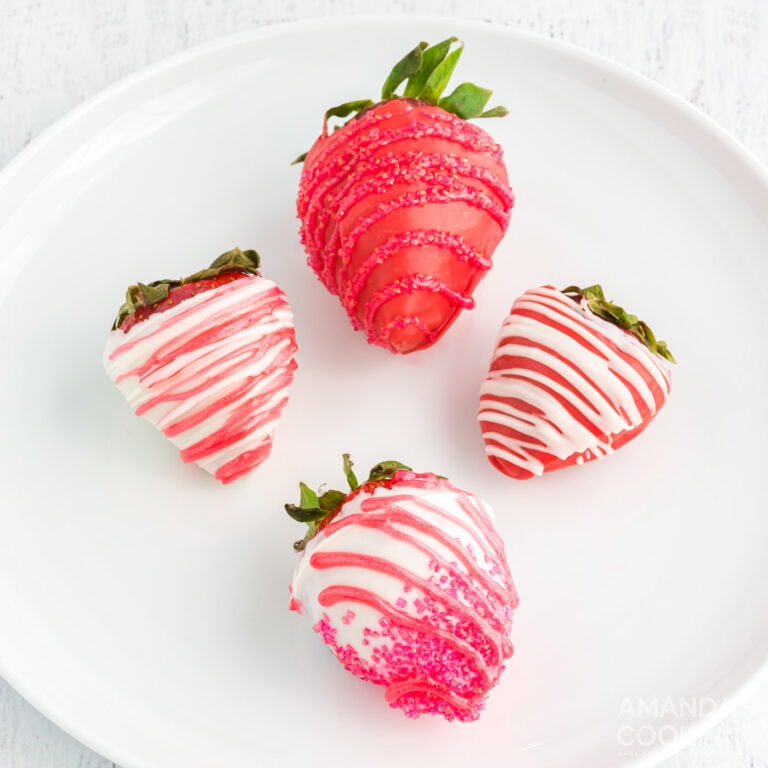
<point x="595" y="300"/>
<point x="426" y="71"/>
<point x="317" y="509"/>
<point x="142" y="300"/>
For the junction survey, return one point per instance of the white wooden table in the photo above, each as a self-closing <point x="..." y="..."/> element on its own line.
<point x="53" y="55"/>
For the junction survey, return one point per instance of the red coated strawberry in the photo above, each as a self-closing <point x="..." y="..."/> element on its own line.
<point x="402" y="207"/>
<point x="573" y="377"/>
<point x="208" y="360"/>
<point x="406" y="579"/>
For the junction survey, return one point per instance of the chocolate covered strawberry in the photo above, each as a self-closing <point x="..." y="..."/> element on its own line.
<point x="402" y="206"/>
<point x="208" y="360"/>
<point x="406" y="579"/>
<point x="573" y="377"/>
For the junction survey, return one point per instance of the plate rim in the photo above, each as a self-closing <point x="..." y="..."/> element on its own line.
<point x="151" y="70"/>
<point x="119" y="93"/>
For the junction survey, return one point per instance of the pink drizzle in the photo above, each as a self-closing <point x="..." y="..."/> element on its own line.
<point x="447" y="241"/>
<point x="440" y="644"/>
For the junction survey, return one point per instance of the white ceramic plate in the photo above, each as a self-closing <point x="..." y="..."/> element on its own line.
<point x="145" y="608"/>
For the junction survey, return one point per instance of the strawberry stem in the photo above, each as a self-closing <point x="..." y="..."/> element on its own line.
<point x="141" y="295"/>
<point x="314" y="508"/>
<point x="349" y="474"/>
<point x="595" y="300"/>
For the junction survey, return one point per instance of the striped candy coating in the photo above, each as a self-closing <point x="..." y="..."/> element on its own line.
<point x="565" y="387"/>
<point x="212" y="373"/>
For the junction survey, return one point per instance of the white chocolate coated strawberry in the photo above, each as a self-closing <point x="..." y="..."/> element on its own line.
<point x="212" y="373"/>
<point x="565" y="386"/>
<point x="409" y="586"/>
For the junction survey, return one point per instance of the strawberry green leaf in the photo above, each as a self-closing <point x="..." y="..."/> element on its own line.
<point x="331" y="500"/>
<point x="305" y="515"/>
<point x="467" y="100"/>
<point x="408" y="66"/>
<point x="348" y="473"/>
<point x="312" y="508"/>
<point x="143" y="295"/>
<point x="248" y="260"/>
<point x="384" y="470"/>
<point x="438" y="79"/>
<point x="307" y="497"/>
<point x="140" y="295"/>
<point x="594" y="297"/>
<point x="431" y="59"/>
<point x="494" y="112"/>
<point x="348" y="108"/>
<point x="149" y="294"/>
